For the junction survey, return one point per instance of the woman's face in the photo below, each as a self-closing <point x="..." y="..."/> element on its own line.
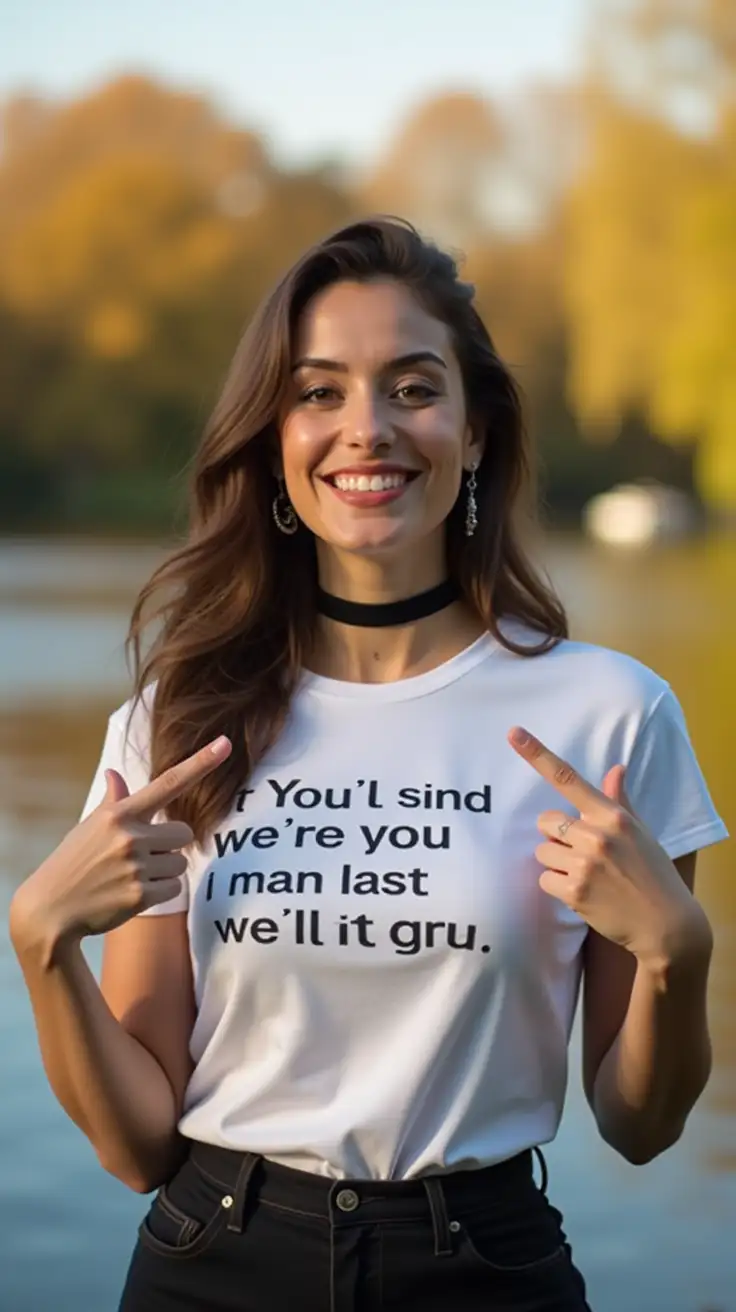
<point x="374" y="434"/>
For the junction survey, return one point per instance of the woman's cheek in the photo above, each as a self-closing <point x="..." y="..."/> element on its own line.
<point x="303" y="448"/>
<point x="442" y="452"/>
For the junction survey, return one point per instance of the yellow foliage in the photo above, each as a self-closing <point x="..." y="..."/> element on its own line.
<point x="45" y="147"/>
<point x="619" y="283"/>
<point x="650" y="288"/>
<point x="128" y="231"/>
<point x="115" y="331"/>
<point x="650" y="281"/>
<point x="695" y="387"/>
<point x="138" y="231"/>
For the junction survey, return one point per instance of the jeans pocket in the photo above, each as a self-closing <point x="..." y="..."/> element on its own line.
<point x="186" y="1216"/>
<point x="521" y="1241"/>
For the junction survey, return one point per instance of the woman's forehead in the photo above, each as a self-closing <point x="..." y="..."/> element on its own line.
<point x="368" y="321"/>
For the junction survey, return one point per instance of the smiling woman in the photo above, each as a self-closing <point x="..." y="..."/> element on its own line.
<point x="374" y="444"/>
<point x="340" y="968"/>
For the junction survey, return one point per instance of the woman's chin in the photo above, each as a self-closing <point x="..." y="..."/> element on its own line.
<point x="373" y="541"/>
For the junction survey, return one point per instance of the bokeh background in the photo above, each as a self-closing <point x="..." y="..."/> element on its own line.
<point x="159" y="167"/>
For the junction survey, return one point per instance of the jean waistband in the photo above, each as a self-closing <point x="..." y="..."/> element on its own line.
<point x="248" y="1176"/>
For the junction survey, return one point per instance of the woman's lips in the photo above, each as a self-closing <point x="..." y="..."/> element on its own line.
<point x="370" y="489"/>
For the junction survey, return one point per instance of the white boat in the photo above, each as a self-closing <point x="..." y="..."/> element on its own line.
<point x="637" y="514"/>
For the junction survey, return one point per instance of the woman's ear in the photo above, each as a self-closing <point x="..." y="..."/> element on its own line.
<point x="473" y="447"/>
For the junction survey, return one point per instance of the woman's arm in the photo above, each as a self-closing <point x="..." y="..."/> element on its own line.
<point x="646" y="1046"/>
<point x="117" y="1057"/>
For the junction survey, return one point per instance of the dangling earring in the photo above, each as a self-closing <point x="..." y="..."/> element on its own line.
<point x="283" y="512"/>
<point x="471" y="509"/>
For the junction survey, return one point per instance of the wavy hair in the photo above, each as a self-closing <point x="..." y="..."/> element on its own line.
<point x="235" y="603"/>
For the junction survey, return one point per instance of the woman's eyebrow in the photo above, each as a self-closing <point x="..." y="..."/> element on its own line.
<point x="400" y="362"/>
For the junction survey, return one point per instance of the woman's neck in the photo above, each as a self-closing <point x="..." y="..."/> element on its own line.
<point x="382" y="655"/>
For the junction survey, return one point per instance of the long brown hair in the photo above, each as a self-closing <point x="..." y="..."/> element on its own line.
<point x="235" y="603"/>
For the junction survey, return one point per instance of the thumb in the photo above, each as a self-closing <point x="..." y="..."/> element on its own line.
<point x="117" y="789"/>
<point x="613" y="787"/>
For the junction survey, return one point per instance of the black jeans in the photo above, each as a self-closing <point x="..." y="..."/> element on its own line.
<point x="232" y="1232"/>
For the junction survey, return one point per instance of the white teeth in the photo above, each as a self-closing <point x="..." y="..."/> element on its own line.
<point x="369" y="482"/>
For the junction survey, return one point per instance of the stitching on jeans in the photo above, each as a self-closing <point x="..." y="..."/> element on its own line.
<point x="297" y="1211"/>
<point x="344" y="1222"/>
<point x="173" y="1212"/>
<point x="441" y="1233"/>
<point x="266" y="1202"/>
<point x="242" y="1194"/>
<point x="386" y="1222"/>
<point x="526" y="1267"/>
<point x="324" y="1216"/>
<point x="194" y="1248"/>
<point x="221" y="1184"/>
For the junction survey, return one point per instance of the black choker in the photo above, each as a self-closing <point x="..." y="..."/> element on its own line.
<point x="384" y="613"/>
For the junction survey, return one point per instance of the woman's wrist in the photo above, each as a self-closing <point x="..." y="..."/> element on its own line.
<point x="681" y="950"/>
<point x="37" y="932"/>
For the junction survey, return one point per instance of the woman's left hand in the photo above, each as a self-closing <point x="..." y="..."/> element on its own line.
<point x="607" y="866"/>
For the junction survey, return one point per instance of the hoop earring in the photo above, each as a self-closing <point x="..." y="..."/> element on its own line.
<point x="284" y="513"/>
<point x="471" y="509"/>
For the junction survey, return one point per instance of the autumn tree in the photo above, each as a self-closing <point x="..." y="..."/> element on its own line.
<point x="137" y="233"/>
<point x="490" y="179"/>
<point x="45" y="145"/>
<point x="438" y="172"/>
<point x="651" y="270"/>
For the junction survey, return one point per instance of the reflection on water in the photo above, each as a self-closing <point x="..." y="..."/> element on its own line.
<point x="651" y="1239"/>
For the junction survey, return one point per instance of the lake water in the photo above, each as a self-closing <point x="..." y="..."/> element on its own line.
<point x="656" y="1239"/>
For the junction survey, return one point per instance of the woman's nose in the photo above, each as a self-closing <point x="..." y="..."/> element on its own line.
<point x="367" y="423"/>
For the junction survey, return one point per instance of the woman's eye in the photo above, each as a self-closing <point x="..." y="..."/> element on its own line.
<point x="415" y="392"/>
<point x="318" y="394"/>
<point x="321" y="394"/>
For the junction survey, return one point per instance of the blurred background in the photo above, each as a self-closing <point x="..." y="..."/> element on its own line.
<point x="159" y="168"/>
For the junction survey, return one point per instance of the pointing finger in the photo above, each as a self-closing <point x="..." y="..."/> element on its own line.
<point x="614" y="787"/>
<point x="116" y="788"/>
<point x="157" y="795"/>
<point x="559" y="773"/>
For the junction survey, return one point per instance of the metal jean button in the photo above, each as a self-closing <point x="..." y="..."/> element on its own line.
<point x="347" y="1200"/>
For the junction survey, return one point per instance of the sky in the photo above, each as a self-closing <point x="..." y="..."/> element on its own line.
<point x="318" y="78"/>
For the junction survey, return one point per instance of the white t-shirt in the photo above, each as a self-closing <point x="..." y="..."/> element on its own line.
<point x="383" y="989"/>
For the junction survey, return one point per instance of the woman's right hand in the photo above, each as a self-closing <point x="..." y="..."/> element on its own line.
<point x="114" y="864"/>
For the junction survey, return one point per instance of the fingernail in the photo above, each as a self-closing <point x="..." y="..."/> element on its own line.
<point x="219" y="745"/>
<point x="520" y="737"/>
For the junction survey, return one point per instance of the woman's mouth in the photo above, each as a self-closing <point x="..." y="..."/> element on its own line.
<point x="370" y="489"/>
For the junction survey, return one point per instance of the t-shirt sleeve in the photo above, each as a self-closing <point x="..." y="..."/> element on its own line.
<point x="129" y="754"/>
<point x="666" y="786"/>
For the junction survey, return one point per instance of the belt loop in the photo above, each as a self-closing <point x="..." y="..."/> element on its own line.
<point x="245" y="1174"/>
<point x="440" y="1223"/>
<point x="543" y="1166"/>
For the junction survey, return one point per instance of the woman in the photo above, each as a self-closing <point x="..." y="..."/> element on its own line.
<point x="341" y="960"/>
